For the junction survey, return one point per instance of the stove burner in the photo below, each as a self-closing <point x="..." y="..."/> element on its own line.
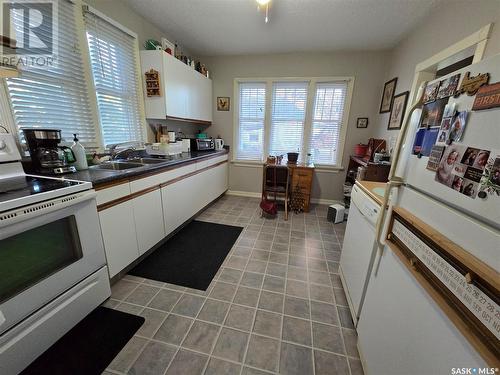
<point x="18" y="187"/>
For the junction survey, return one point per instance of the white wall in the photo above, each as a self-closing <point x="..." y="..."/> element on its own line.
<point x="368" y="68"/>
<point x="446" y="25"/>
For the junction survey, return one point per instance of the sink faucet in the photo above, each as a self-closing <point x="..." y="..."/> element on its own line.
<point x="123" y="147"/>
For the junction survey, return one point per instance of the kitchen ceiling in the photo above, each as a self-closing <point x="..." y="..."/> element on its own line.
<point x="231" y="27"/>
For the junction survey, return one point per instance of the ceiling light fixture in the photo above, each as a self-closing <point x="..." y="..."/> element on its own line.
<point x="266" y="4"/>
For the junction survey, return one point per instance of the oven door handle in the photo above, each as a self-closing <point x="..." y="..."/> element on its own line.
<point x="38" y="209"/>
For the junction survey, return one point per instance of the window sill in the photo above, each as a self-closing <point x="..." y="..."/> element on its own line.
<point x="328" y="169"/>
<point x="259" y="164"/>
<point x="247" y="163"/>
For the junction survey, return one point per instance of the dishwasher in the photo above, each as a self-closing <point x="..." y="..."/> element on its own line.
<point x="359" y="249"/>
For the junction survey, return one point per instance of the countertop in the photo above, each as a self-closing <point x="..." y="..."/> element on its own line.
<point x="102" y="176"/>
<point x="374" y="189"/>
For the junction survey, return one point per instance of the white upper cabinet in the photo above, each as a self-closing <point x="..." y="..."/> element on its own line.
<point x="185" y="93"/>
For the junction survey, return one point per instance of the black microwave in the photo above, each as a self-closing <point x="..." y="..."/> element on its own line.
<point x="202" y="144"/>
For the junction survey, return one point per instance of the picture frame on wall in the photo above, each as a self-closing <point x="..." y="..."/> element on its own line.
<point x="398" y="111"/>
<point x="362" y="122"/>
<point x="223" y="103"/>
<point x="387" y="95"/>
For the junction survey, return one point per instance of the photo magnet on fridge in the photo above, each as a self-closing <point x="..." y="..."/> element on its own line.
<point x="448" y="86"/>
<point x="429" y="140"/>
<point x="432" y="113"/>
<point x="435" y="157"/>
<point x="457" y="127"/>
<point x="490" y="180"/>
<point x="452" y="155"/>
<point x="487" y="97"/>
<point x="431" y="91"/>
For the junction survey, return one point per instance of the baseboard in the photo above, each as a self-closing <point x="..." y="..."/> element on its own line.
<point x="326" y="201"/>
<point x="249" y="194"/>
<point x="252" y="194"/>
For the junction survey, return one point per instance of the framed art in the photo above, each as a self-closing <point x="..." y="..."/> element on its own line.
<point x="387" y="95"/>
<point x="223" y="103"/>
<point x="398" y="111"/>
<point x="362" y="122"/>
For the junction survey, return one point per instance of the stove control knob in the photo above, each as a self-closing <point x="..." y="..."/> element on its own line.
<point x="3" y="145"/>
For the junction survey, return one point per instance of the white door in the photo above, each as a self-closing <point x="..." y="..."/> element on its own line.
<point x="148" y="217"/>
<point x="179" y="202"/>
<point x="119" y="236"/>
<point x="482" y="131"/>
<point x="177" y="87"/>
<point x="45" y="249"/>
<point x="357" y="257"/>
<point x="402" y="331"/>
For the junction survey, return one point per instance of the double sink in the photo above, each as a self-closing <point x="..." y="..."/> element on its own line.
<point x="120" y="165"/>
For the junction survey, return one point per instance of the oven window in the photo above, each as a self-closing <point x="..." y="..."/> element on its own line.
<point x="33" y="255"/>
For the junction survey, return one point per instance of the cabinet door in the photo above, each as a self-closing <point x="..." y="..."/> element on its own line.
<point x="148" y="216"/>
<point x="155" y="106"/>
<point x="179" y="202"/>
<point x="177" y="87"/>
<point x="119" y="236"/>
<point x="200" y="100"/>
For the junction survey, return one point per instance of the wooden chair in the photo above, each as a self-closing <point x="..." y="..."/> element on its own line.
<point x="276" y="181"/>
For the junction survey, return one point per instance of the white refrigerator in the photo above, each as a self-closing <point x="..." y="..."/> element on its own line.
<point x="401" y="329"/>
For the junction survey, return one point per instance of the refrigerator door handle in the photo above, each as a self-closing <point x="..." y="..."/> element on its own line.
<point x="393" y="179"/>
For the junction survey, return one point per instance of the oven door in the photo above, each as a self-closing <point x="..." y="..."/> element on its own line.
<point x="45" y="249"/>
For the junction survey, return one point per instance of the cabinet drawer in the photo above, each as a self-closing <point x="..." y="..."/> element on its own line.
<point x="303" y="179"/>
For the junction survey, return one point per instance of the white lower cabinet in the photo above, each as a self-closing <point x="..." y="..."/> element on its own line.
<point x="148" y="215"/>
<point x="131" y="228"/>
<point x="119" y="236"/>
<point x="179" y="202"/>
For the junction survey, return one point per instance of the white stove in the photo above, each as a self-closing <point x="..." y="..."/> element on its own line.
<point x="52" y="265"/>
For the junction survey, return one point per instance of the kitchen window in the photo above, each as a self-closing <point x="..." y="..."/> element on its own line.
<point x="114" y="63"/>
<point x="288" y="117"/>
<point x="276" y="116"/>
<point x="56" y="97"/>
<point x="251" y="114"/>
<point x="327" y="120"/>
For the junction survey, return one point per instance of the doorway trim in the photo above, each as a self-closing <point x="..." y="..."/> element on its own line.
<point x="426" y="70"/>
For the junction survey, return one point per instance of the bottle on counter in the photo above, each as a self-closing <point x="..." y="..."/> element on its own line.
<point x="79" y="151"/>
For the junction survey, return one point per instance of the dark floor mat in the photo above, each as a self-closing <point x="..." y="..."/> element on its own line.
<point x="90" y="346"/>
<point x="191" y="257"/>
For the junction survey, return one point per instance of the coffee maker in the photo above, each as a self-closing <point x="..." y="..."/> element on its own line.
<point x="47" y="156"/>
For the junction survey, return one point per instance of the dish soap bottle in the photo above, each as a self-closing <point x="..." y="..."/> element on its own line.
<point x="81" y="157"/>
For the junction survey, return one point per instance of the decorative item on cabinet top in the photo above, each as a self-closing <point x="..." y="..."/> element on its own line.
<point x="153" y="87"/>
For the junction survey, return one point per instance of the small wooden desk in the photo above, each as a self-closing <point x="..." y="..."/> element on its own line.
<point x="302" y="175"/>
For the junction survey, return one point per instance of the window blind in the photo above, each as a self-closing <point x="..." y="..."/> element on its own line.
<point x="326" y="124"/>
<point x="55" y="97"/>
<point x="288" y="116"/>
<point x="252" y="102"/>
<point x="113" y="60"/>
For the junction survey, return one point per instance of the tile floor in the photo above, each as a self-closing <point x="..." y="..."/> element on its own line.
<point x="275" y="306"/>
